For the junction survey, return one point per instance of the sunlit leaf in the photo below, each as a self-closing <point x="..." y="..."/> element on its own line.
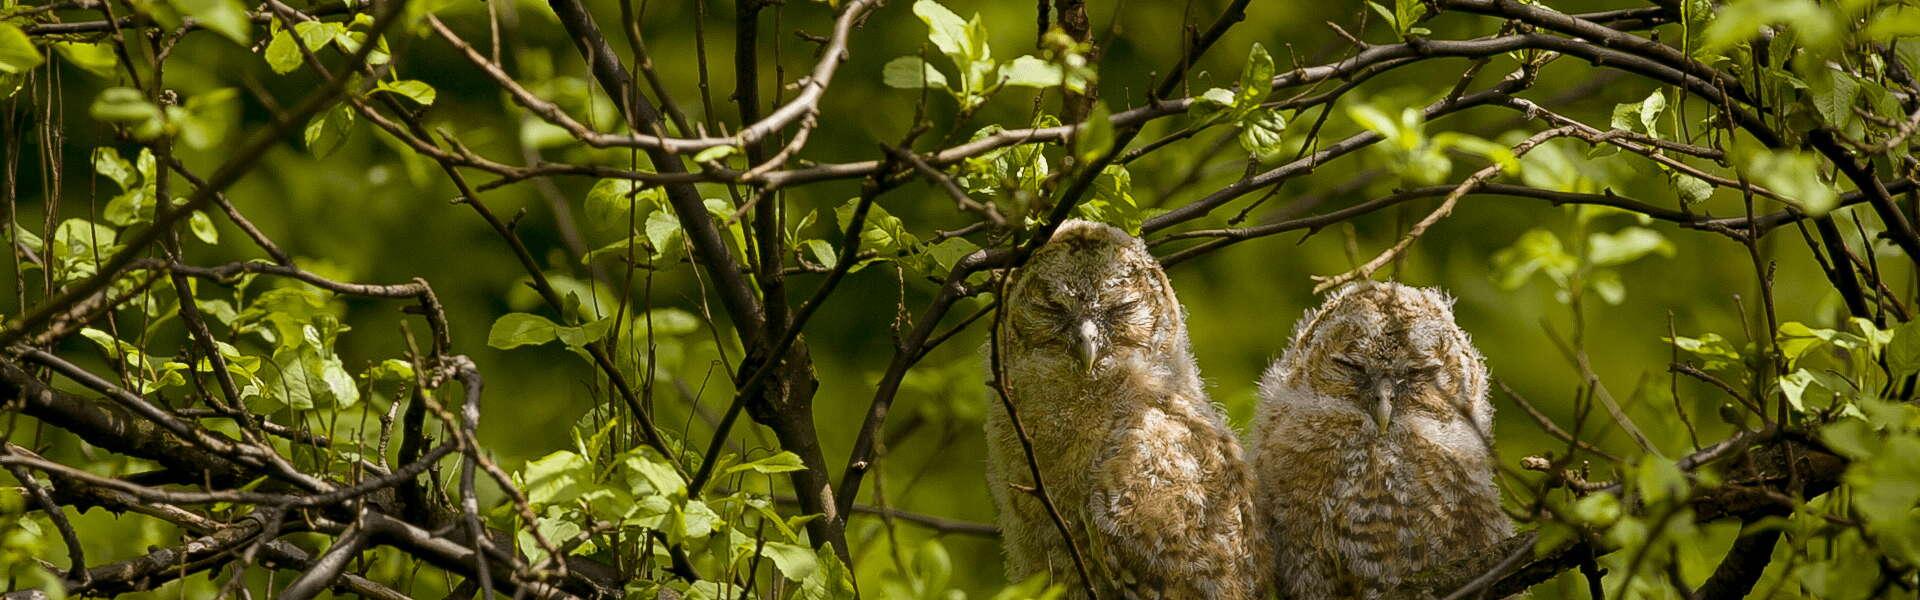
<point x="911" y="72"/>
<point x="514" y="330"/>
<point x="947" y="31"/>
<point x="17" y="54"/>
<point x="1094" y="138"/>
<point x="202" y="228"/>
<point x="225" y="17"/>
<point x="1027" y="71"/>
<point x="795" y="562"/>
<point x="779" y="462"/>
<point x="97" y="58"/>
<point x="417" y="91"/>
<point x="1626" y="245"/>
<point x="329" y="129"/>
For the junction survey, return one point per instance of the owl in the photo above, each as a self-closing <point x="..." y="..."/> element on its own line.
<point x="1372" y="447"/>
<point x="1144" y="469"/>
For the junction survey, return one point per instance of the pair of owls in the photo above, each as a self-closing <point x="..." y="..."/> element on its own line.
<point x="1371" y="456"/>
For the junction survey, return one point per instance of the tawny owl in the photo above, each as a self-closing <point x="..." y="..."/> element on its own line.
<point x="1372" y="449"/>
<point x="1144" y="469"/>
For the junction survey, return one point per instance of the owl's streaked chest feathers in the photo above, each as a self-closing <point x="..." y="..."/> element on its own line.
<point x="1354" y="509"/>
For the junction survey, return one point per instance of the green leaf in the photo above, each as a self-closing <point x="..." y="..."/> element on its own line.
<point x="1262" y="134"/>
<point x="1740" y="21"/>
<point x="1892" y="22"/>
<point x="1386" y="15"/>
<point x="203" y="228"/>
<point x="208" y="116"/>
<point x="123" y="105"/>
<point x="580" y="336"/>
<point x="225" y="17"/>
<point x="17" y="54"/>
<point x="327" y="131"/>
<point x="1094" y="138"/>
<point x="514" y="330"/>
<point x="1832" y="93"/>
<point x="949" y="252"/>
<point x="1690" y="189"/>
<point x="107" y="161"/>
<point x="1623" y="116"/>
<point x="1375" y="120"/>
<point x="338" y="382"/>
<point x="911" y="73"/>
<point x="716" y="153"/>
<point x="1852" y="438"/>
<point x="1903" y="353"/>
<point x="782" y="462"/>
<point x="1256" y="78"/>
<point x="610" y="207"/>
<point x="1795" y="339"/>
<point x="415" y="90"/>
<point x="795" y="562"/>
<point x="883" y="232"/>
<point x="1499" y="154"/>
<point x="1795" y="176"/>
<point x="1028" y="71"/>
<point x="832" y="581"/>
<point x="134" y="206"/>
<point x="556" y="478"/>
<point x="97" y="59"/>
<point x="947" y="31"/>
<point x="1607" y="284"/>
<point x="651" y="474"/>
<point x="823" y="253"/>
<point x="1536" y="251"/>
<point x="284" y="56"/>
<point x="1406" y="13"/>
<point x="1715" y="349"/>
<point x="1626" y="245"/>
<point x="1650" y="110"/>
<point x="1659" y="479"/>
<point x="392" y="369"/>
<point x="1111" y="200"/>
<point x="671" y="321"/>
<point x="1598" y="511"/>
<point x="310" y="377"/>
<point x="663" y="232"/>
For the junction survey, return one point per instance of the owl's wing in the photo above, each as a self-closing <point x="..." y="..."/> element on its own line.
<point x="1166" y="517"/>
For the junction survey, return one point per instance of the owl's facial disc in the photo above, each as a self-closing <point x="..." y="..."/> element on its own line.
<point x="1385" y="381"/>
<point x="1088" y="301"/>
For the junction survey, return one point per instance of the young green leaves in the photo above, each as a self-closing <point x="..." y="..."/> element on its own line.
<point x="978" y="75"/>
<point x="1261" y="128"/>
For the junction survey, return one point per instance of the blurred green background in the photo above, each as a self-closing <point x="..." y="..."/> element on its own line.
<point x="369" y="213"/>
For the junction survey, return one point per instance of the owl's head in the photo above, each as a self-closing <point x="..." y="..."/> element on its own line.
<point x="1091" y="295"/>
<point x="1393" y="352"/>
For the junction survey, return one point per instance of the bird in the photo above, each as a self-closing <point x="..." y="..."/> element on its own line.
<point x="1372" y="446"/>
<point x="1151" y="481"/>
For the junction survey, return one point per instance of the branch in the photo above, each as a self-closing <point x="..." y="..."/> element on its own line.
<point x="242" y="160"/>
<point x="1773" y="456"/>
<point x="688" y="206"/>
<point x="1446" y="207"/>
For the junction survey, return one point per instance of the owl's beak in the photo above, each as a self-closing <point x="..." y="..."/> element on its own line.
<point x="1383" y="404"/>
<point x="1086" y="345"/>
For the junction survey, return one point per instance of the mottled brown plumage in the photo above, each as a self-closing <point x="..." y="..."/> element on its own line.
<point x="1373" y="446"/>
<point x="1142" y="466"/>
